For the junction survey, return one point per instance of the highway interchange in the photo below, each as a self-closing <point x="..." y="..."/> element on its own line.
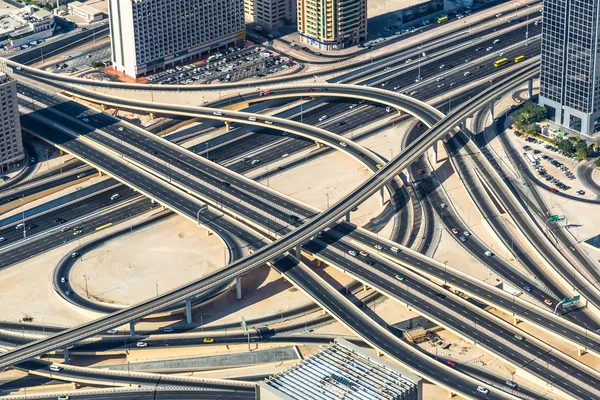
<point x="212" y="189"/>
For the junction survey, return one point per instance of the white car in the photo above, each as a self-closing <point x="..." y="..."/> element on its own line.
<point x="352" y="253"/>
<point x="322" y="118"/>
<point x="483" y="390"/>
<point x="467" y="233"/>
<point x="443" y="205"/>
<point x="343" y="144"/>
<point x="218" y="113"/>
<point x="120" y="129"/>
<point x="269" y="122"/>
<point x="254" y="162"/>
<point x="488" y="253"/>
<point x="86" y="120"/>
<point x="141" y="344"/>
<point x="251" y="118"/>
<point x="378" y="247"/>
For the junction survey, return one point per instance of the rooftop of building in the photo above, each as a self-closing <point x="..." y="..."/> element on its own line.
<point x="342" y="370"/>
<point x="84" y="7"/>
<point x="21" y="18"/>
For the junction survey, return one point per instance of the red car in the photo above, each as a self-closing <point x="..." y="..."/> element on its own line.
<point x="451" y="363"/>
<point x="265" y="93"/>
<point x="553" y="190"/>
<point x="455" y="231"/>
<point x="309" y="89"/>
<point x="420" y="171"/>
<point x="420" y="125"/>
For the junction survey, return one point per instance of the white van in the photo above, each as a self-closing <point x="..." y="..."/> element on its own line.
<point x="323" y="118"/>
<point x="115" y="196"/>
<point x="20" y="226"/>
<point x="55" y="368"/>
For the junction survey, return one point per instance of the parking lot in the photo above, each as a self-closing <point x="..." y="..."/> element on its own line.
<point x="229" y="66"/>
<point x="551" y="164"/>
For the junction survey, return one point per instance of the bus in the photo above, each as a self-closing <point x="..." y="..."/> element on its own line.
<point x="443" y="19"/>
<point x="519" y="59"/>
<point x="500" y="62"/>
<point x="532" y="160"/>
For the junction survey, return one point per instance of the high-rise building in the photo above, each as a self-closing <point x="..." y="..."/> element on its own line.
<point x="570" y="69"/>
<point x="270" y="13"/>
<point x="149" y="35"/>
<point x="332" y="24"/>
<point x="11" y="141"/>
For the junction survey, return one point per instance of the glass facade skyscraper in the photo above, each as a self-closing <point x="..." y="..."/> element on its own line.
<point x="570" y="70"/>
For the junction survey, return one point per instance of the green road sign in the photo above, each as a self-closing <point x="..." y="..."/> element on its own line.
<point x="244" y="325"/>
<point x="524" y="184"/>
<point x="555" y="218"/>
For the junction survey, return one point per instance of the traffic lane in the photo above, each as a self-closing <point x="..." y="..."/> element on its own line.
<point x="143" y="140"/>
<point x="492" y="216"/>
<point x="48" y="183"/>
<point x="535" y="236"/>
<point x="183" y="205"/>
<point x="54" y="219"/>
<point x="165" y="170"/>
<point x="55" y="239"/>
<point x="174" y="157"/>
<point x="160" y="394"/>
<point x="442" y="302"/>
<point x="363" y="326"/>
<point x="590" y="341"/>
<point x="459" y="58"/>
<point x="68" y="374"/>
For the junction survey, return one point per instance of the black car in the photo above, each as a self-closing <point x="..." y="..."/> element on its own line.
<point x="441" y="295"/>
<point x="293" y="218"/>
<point x="31" y="226"/>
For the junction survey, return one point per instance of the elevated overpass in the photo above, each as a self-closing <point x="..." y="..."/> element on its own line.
<point x="297" y="237"/>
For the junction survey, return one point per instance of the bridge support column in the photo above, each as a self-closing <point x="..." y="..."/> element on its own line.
<point x="348" y="216"/>
<point x="451" y="395"/>
<point x="228" y="125"/>
<point x="381" y="197"/>
<point x="103" y="107"/>
<point x="298" y="251"/>
<point x="152" y="116"/>
<point x="365" y="287"/>
<point x="132" y="329"/>
<point x="530" y="88"/>
<point x="319" y="145"/>
<point x="66" y="354"/>
<point x="238" y="288"/>
<point x="188" y="311"/>
<point x="99" y="173"/>
<point x="581" y="352"/>
<point x="516" y="320"/>
<point x="163" y="208"/>
<point x="379" y="353"/>
<point x="492" y="109"/>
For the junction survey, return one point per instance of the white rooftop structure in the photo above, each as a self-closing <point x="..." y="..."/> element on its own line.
<point x="342" y="371"/>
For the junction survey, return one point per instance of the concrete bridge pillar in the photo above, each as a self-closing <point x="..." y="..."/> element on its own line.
<point x="516" y="320"/>
<point x="132" y="329"/>
<point x="298" y="251"/>
<point x="152" y="116"/>
<point x="228" y="125"/>
<point x="238" y="288"/>
<point x="188" y="311"/>
<point x="581" y="352"/>
<point x="492" y="109"/>
<point x="66" y="354"/>
<point x="103" y="107"/>
<point x="381" y="197"/>
<point x="348" y="216"/>
<point x="99" y="173"/>
<point x="530" y="88"/>
<point x="451" y="395"/>
<point x="319" y="145"/>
